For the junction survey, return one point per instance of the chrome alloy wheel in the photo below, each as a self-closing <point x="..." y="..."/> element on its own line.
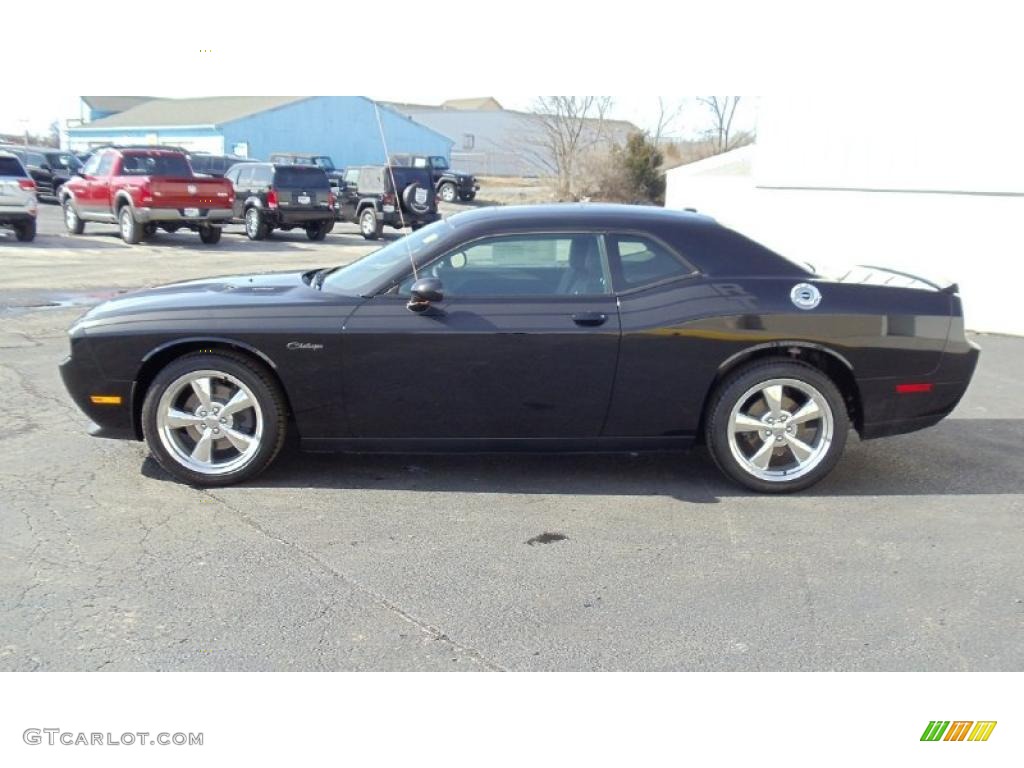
<point x="780" y="429"/>
<point x="210" y="422"/>
<point x="70" y="217"/>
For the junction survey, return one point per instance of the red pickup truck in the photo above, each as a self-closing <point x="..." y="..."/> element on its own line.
<point x="140" y="189"/>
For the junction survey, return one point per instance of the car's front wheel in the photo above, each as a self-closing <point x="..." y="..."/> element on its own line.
<point x="214" y="419"/>
<point x="447" y="192"/>
<point x="776" y="427"/>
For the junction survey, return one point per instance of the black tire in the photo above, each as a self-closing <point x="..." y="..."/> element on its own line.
<point x="409" y="200"/>
<point x="149" y="230"/>
<point x="318" y="230"/>
<point x="26" y="232"/>
<point x="784" y="471"/>
<point x="131" y="232"/>
<point x="370" y="226"/>
<point x="447" y="192"/>
<point x="72" y="223"/>
<point x="210" y="235"/>
<point x="265" y="391"/>
<point x="467" y="196"/>
<point x="255" y="226"/>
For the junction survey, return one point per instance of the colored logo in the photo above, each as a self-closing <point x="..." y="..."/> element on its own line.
<point x="958" y="730"/>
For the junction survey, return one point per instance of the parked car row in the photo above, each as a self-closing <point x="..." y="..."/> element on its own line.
<point x="143" y="189"/>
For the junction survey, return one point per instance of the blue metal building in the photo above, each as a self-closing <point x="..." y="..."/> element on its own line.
<point x="344" y="127"/>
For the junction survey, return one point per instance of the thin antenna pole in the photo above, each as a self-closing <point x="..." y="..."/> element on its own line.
<point x="394" y="186"/>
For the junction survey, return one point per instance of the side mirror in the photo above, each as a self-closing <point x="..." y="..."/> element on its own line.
<point x="425" y="291"/>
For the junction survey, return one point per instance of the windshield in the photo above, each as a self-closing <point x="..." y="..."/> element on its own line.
<point x="439" y="163"/>
<point x="63" y="160"/>
<point x="362" y="276"/>
<point x="155" y="165"/>
<point x="324" y="162"/>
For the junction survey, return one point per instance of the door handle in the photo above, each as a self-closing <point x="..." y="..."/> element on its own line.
<point x="590" y="318"/>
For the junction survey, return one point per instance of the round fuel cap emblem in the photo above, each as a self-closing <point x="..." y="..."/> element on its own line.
<point x="805" y="296"/>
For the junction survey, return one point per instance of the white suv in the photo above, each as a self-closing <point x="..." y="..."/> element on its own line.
<point x="18" y="205"/>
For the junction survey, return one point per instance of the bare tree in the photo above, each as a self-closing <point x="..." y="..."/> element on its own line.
<point x="723" y="110"/>
<point x="567" y="126"/>
<point x="668" y="115"/>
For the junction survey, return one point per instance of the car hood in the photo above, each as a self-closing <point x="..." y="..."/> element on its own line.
<point x="277" y="289"/>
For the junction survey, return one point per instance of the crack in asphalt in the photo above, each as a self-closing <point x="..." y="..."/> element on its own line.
<point x="424" y="626"/>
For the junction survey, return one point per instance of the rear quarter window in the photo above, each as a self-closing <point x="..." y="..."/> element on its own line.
<point x="643" y="261"/>
<point x="11" y="166"/>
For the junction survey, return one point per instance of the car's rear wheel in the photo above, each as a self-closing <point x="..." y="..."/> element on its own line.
<point x="776" y="427"/>
<point x="318" y="230"/>
<point x="72" y="223"/>
<point x="255" y="228"/>
<point x="467" y="196"/>
<point x="210" y="235"/>
<point x="131" y="232"/>
<point x="448" y="192"/>
<point x="369" y="224"/>
<point x="214" y="419"/>
<point x="26" y="231"/>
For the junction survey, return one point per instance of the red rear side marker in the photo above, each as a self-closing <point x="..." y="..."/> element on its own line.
<point x="907" y="389"/>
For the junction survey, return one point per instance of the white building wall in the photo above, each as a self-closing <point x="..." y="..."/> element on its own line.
<point x="823" y="190"/>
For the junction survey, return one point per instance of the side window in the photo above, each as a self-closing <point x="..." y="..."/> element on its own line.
<point x="352" y="176"/>
<point x="642" y="261"/>
<point x="106" y="164"/>
<point x="35" y="159"/>
<point x="263" y="174"/>
<point x="245" y="176"/>
<point x="91" y="165"/>
<point x="523" y="265"/>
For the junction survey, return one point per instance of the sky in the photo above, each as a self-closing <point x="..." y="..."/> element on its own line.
<point x="37" y="110"/>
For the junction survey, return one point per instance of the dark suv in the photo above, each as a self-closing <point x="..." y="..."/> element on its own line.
<point x="377" y="195"/>
<point x="320" y="161"/>
<point x="214" y="165"/>
<point x="49" y="168"/>
<point x="448" y="183"/>
<point x="270" y="196"/>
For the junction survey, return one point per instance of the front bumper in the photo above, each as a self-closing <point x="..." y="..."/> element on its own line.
<point x="206" y="215"/>
<point x="83" y="379"/>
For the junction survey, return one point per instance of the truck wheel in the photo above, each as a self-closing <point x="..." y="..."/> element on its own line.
<point x="776" y="426"/>
<point x="255" y="228"/>
<point x="26" y="232"/>
<point x="369" y="224"/>
<point x="447" y="192"/>
<point x="73" y="224"/>
<point x="209" y="235"/>
<point x="317" y="230"/>
<point x="467" y="196"/>
<point x="131" y="232"/>
<point x="149" y="230"/>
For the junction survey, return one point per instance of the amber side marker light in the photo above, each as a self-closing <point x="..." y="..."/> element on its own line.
<point x="908" y="389"/>
<point x="105" y="399"/>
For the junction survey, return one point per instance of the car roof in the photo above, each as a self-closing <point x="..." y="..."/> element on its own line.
<point x="579" y="214"/>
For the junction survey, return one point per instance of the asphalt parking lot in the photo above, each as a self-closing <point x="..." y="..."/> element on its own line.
<point x="908" y="557"/>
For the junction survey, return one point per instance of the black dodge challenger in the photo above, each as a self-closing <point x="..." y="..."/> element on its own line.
<point x="577" y="327"/>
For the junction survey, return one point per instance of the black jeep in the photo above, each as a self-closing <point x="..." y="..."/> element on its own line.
<point x="377" y="195"/>
<point x="448" y="183"/>
<point x="269" y="197"/>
